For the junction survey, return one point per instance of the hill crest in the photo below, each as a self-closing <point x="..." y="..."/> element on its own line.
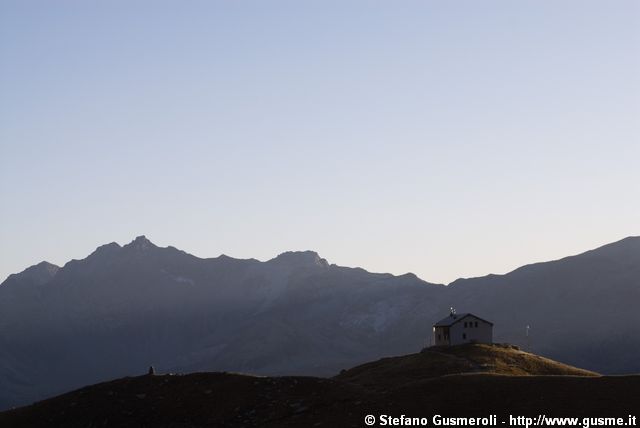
<point x="436" y="361"/>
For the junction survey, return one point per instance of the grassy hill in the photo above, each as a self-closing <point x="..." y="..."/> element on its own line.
<point x="469" y="380"/>
<point x="440" y="361"/>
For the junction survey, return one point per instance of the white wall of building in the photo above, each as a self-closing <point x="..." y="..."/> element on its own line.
<point x="470" y="329"/>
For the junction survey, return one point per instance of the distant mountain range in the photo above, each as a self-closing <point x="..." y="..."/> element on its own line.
<point x="124" y="308"/>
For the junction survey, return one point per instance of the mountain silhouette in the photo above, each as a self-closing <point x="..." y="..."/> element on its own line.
<point x="124" y="308"/>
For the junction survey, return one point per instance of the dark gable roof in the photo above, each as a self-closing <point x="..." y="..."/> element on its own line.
<point x="454" y="318"/>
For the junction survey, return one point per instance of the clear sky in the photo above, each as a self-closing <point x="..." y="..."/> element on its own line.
<point x="445" y="138"/>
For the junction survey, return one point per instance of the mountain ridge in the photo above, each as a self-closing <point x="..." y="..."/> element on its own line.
<point x="123" y="307"/>
<point x="142" y="242"/>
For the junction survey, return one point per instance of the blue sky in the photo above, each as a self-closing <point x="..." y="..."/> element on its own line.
<point x="446" y="138"/>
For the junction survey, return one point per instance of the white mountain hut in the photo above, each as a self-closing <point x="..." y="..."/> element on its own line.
<point x="457" y="329"/>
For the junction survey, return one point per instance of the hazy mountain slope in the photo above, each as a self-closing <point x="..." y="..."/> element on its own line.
<point x="582" y="310"/>
<point x="123" y="308"/>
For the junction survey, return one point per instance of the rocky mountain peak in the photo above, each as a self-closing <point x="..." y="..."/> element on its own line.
<point x="37" y="274"/>
<point x="301" y="258"/>
<point x="141" y="243"/>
